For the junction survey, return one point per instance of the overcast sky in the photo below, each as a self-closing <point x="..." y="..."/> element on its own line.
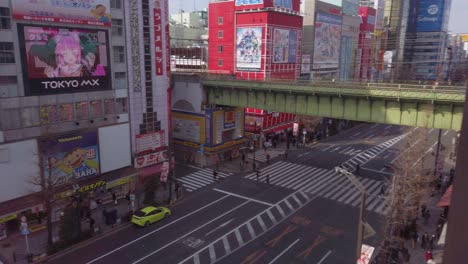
<point x="457" y="16"/>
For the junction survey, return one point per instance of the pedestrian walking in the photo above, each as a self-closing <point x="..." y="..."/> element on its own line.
<point x="267" y="179"/>
<point x="426" y="216"/>
<point x="215" y="175"/>
<point x="114" y="197"/>
<point x="431" y="242"/>
<point x="268" y="158"/>
<point x="438" y="230"/>
<point x="285" y="154"/>
<point x="358" y="168"/>
<point x="415" y="238"/>
<point x="424" y="238"/>
<point x="258" y="175"/>
<point x="382" y="189"/>
<point x="428" y="255"/>
<point x="243" y="157"/>
<point x="91" y="224"/>
<point x="423" y="210"/>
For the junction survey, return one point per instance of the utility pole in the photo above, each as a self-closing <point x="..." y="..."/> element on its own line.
<point x="437" y="152"/>
<point x="254" y="165"/>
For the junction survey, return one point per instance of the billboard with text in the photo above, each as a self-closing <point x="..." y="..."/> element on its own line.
<point x="62" y="60"/>
<point x="327" y="41"/>
<point x="249" y="48"/>
<point x="430" y="16"/>
<point x="284" y="46"/>
<point x="80" y="12"/>
<point x="248" y="2"/>
<point x="70" y="157"/>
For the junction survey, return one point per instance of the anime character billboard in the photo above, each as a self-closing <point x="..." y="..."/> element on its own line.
<point x="62" y="60"/>
<point x="284" y="46"/>
<point x="80" y="12"/>
<point x="70" y="157"/>
<point x="249" y="48"/>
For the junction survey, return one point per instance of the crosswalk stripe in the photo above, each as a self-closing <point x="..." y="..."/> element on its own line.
<point x="272" y="217"/>
<point x="239" y="237"/>
<point x="380" y="208"/>
<point x="332" y="186"/>
<point x="290" y="171"/>
<point x="352" y="198"/>
<point x="199" y="178"/>
<point x="312" y="188"/>
<point x="374" y="203"/>
<point x="298" y="173"/>
<point x="372" y="190"/>
<point x="266" y="170"/>
<point x="302" y="178"/>
<point x="303" y="184"/>
<point x="193" y="182"/>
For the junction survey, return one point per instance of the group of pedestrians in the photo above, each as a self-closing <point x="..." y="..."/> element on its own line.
<point x="267" y="178"/>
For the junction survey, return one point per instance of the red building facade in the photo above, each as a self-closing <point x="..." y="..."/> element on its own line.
<point x="366" y="41"/>
<point x="255" y="41"/>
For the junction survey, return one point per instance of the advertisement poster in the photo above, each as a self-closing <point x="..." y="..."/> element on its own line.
<point x="63" y="60"/>
<point x="150" y="159"/>
<point x="327" y="41"/>
<point x="70" y="157"/>
<point x="248" y="2"/>
<point x="79" y="12"/>
<point x="284" y="46"/>
<point x="305" y="66"/>
<point x="186" y="129"/>
<point x="158" y="56"/>
<point x="229" y="119"/>
<point x="430" y="16"/>
<point x="150" y="141"/>
<point x="249" y="48"/>
<point x="3" y="232"/>
<point x="366" y="254"/>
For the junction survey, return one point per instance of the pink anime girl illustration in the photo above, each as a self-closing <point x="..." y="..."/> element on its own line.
<point x="69" y="60"/>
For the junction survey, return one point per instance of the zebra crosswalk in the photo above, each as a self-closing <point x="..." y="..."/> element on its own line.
<point x="323" y="183"/>
<point x="200" y="179"/>
<point x="261" y="155"/>
<point x="371" y="153"/>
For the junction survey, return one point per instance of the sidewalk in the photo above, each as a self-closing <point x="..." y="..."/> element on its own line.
<point x="13" y="249"/>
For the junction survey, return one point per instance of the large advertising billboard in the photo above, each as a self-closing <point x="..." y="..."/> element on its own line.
<point x="283" y="3"/>
<point x="70" y="157"/>
<point x="80" y="12"/>
<point x="351" y="7"/>
<point x="284" y="46"/>
<point x="249" y="48"/>
<point x="63" y="60"/>
<point x="248" y="2"/>
<point x="430" y="16"/>
<point x="188" y="127"/>
<point x="327" y="41"/>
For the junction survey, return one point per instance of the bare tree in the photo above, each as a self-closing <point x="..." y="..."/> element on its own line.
<point x="408" y="189"/>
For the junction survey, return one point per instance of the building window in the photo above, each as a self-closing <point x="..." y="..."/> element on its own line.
<point x="121" y="106"/>
<point x="120" y="80"/>
<point x="8" y="80"/>
<point x="30" y="116"/>
<point x="66" y="112"/>
<point x="117" y="27"/>
<point x="5" y="20"/>
<point x="81" y="110"/>
<point x="220" y="48"/>
<point x="10" y="119"/>
<point x="95" y="108"/>
<point x="119" y="54"/>
<point x="7" y="52"/>
<point x="220" y="34"/>
<point x="220" y="20"/>
<point x="116" y="4"/>
<point x="109" y="106"/>
<point x="220" y="63"/>
<point x="120" y="75"/>
<point x="49" y="114"/>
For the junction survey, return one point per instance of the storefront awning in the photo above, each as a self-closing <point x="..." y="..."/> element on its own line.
<point x="278" y="128"/>
<point x="446" y="198"/>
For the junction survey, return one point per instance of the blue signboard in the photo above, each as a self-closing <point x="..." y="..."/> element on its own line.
<point x="248" y="2"/>
<point x="430" y="16"/>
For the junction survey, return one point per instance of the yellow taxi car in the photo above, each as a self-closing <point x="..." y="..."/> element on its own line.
<point x="149" y="215"/>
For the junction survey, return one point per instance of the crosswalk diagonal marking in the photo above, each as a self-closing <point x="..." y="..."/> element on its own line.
<point x="301" y="178"/>
<point x="302" y="184"/>
<point x="296" y="172"/>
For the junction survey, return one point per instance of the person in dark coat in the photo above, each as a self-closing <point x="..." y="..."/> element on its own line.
<point x="215" y="175"/>
<point x="424" y="239"/>
<point x="258" y="174"/>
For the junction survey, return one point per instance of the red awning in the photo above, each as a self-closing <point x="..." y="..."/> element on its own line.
<point x="446" y="199"/>
<point x="278" y="128"/>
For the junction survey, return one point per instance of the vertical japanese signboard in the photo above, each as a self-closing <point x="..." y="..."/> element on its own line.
<point x="158" y="50"/>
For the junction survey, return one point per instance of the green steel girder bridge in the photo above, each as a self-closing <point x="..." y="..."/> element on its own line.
<point x="399" y="104"/>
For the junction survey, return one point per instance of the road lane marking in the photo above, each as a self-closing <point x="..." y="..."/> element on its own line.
<point x="196" y="229"/>
<point x="357" y="134"/>
<point x="239" y="237"/>
<point x="196" y="259"/>
<point x="284" y="251"/>
<point x="446" y="132"/>
<point x="220" y="226"/>
<point x="262" y="224"/>
<point x="272" y="217"/>
<point x="331" y="146"/>
<point x="243" y="197"/>
<point x="251" y="230"/>
<point x="212" y="253"/>
<point x="154" y="231"/>
<point x="324" y="257"/>
<point x="227" y="247"/>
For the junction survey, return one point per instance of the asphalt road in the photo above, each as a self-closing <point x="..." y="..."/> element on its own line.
<point x="306" y="214"/>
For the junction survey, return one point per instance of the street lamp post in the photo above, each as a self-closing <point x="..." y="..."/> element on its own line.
<point x="254" y="165"/>
<point x="362" y="190"/>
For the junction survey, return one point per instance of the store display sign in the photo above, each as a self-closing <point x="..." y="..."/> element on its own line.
<point x="295" y="129"/>
<point x="70" y="157"/>
<point x="229" y="119"/>
<point x="284" y="46"/>
<point x="327" y="41"/>
<point x="158" y="56"/>
<point x="249" y="48"/>
<point x="248" y="2"/>
<point x="79" y="12"/>
<point x="150" y="141"/>
<point x="64" y="60"/>
<point x="430" y="15"/>
<point x="150" y="159"/>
